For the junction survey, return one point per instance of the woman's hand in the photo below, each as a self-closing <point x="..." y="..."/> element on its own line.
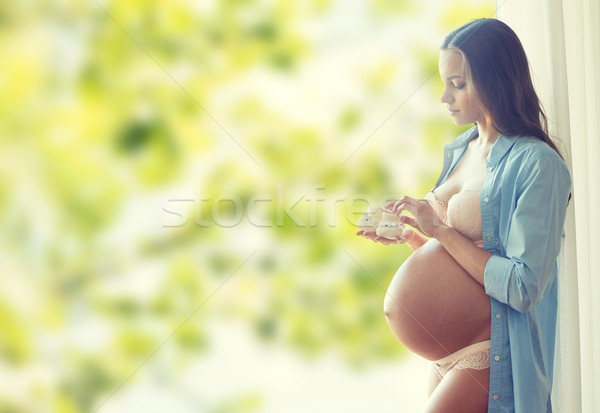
<point x="406" y="237"/>
<point x="425" y="218"/>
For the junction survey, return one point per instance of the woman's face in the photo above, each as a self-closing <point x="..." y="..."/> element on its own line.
<point x="455" y="96"/>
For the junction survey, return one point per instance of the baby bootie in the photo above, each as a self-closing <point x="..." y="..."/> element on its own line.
<point x="368" y="221"/>
<point x="390" y="227"/>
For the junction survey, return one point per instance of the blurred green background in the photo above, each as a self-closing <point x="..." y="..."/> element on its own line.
<point x="182" y="179"/>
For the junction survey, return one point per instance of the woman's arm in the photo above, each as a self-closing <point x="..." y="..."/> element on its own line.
<point x="468" y="255"/>
<point x="531" y="243"/>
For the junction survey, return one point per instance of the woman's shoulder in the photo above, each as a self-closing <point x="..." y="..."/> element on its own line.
<point x="530" y="156"/>
<point x="530" y="148"/>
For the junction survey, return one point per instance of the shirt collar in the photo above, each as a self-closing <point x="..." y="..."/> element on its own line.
<point x="463" y="139"/>
<point x="501" y="147"/>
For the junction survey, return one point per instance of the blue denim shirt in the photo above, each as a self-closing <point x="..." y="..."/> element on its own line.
<point x="523" y="205"/>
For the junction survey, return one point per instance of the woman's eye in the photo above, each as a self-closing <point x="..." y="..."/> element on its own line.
<point x="458" y="86"/>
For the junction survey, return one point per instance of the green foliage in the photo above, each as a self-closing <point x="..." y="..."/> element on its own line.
<point x="383" y="8"/>
<point x="246" y="403"/>
<point x="15" y="342"/>
<point x="79" y="387"/>
<point x="459" y="12"/>
<point x="107" y="116"/>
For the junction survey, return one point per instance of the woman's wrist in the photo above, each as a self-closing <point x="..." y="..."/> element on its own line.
<point x="414" y="240"/>
<point x="442" y="233"/>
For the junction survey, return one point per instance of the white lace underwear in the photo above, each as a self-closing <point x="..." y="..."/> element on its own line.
<point x="476" y="356"/>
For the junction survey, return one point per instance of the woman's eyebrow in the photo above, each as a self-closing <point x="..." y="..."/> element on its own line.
<point x="451" y="77"/>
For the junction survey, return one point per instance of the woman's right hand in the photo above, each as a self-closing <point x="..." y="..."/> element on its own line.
<point x="407" y="235"/>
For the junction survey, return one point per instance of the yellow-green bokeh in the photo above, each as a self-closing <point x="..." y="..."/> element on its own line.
<point x="127" y="128"/>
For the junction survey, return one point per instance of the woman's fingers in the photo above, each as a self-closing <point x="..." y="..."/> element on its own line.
<point x="390" y="204"/>
<point x="381" y="240"/>
<point x="424" y="219"/>
<point x="405" y="203"/>
<point x="368" y="235"/>
<point x="404" y="219"/>
<point x="421" y="212"/>
<point x="387" y="241"/>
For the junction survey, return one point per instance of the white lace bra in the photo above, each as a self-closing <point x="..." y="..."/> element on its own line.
<point x="462" y="213"/>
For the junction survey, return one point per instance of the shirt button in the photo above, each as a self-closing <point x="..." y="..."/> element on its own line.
<point x="495" y="397"/>
<point x="498" y="315"/>
<point x="486" y="200"/>
<point x="497" y="358"/>
<point x="488" y="239"/>
<point x="491" y="168"/>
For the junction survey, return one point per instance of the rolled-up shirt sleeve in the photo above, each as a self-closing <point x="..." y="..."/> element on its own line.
<point x="532" y="243"/>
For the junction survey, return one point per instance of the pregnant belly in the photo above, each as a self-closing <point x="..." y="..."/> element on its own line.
<point x="434" y="307"/>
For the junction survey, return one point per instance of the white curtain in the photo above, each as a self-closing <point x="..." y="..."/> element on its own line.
<point x="562" y="41"/>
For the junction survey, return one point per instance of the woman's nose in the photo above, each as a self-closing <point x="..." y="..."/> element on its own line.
<point x="446" y="97"/>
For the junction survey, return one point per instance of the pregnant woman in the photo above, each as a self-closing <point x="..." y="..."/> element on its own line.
<point x="478" y="297"/>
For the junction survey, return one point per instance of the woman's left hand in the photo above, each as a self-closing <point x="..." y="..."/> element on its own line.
<point x="425" y="219"/>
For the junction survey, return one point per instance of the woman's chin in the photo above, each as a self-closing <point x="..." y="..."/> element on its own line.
<point x="461" y="123"/>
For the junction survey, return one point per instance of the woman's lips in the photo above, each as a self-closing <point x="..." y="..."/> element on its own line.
<point x="453" y="112"/>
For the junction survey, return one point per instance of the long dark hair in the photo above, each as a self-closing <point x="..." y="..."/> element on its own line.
<point x="497" y="73"/>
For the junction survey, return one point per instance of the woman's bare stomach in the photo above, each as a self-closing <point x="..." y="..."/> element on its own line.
<point x="434" y="307"/>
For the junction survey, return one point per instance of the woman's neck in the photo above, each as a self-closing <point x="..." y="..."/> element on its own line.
<point x="487" y="133"/>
